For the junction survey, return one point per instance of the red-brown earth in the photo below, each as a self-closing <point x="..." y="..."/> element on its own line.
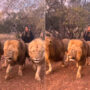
<point x="62" y="78"/>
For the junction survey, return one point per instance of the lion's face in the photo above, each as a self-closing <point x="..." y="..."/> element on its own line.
<point x="36" y="55"/>
<point x="37" y="51"/>
<point x="70" y="55"/>
<point x="9" y="56"/>
<point x="9" y="52"/>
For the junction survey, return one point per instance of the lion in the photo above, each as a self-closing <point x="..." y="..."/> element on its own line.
<point x="77" y="50"/>
<point x="65" y="42"/>
<point x="54" y="51"/>
<point x="36" y="51"/>
<point x="14" y="53"/>
<point x="88" y="53"/>
<point x="1" y="50"/>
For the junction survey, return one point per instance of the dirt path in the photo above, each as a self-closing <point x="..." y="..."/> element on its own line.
<point x="26" y="82"/>
<point x="65" y="78"/>
<point x="59" y="79"/>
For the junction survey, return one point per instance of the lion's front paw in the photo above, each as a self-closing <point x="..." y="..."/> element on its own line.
<point x="37" y="78"/>
<point x="7" y="77"/>
<point x="78" y="76"/>
<point x="20" y="73"/>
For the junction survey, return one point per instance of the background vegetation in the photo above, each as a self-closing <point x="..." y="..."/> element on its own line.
<point x="67" y="21"/>
<point x="27" y="13"/>
<point x="62" y="18"/>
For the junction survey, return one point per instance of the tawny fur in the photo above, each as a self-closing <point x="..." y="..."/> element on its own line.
<point x="88" y="53"/>
<point x="77" y="50"/>
<point x="65" y="42"/>
<point x="14" y="53"/>
<point x="1" y="50"/>
<point x="54" y="51"/>
<point x="36" y="50"/>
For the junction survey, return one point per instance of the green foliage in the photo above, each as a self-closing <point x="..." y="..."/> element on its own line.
<point x="16" y="22"/>
<point x="69" y="22"/>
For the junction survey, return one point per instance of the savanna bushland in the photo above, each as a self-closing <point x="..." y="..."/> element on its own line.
<point x="15" y="15"/>
<point x="67" y="18"/>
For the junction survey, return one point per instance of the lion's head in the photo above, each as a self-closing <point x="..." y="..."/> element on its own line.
<point x="36" y="50"/>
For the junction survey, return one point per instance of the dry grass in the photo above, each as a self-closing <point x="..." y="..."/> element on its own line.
<point x="4" y="37"/>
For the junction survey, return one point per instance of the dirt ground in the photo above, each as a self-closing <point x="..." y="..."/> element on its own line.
<point x="26" y="82"/>
<point x="62" y="78"/>
<point x="65" y="78"/>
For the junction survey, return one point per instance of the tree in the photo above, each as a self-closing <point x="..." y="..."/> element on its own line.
<point x="69" y="22"/>
<point x="28" y="15"/>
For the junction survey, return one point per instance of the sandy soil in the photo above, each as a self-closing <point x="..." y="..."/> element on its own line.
<point x="65" y="78"/>
<point x="60" y="79"/>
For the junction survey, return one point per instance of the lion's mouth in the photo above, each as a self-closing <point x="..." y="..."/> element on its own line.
<point x="9" y="60"/>
<point x="71" y="58"/>
<point x="36" y="61"/>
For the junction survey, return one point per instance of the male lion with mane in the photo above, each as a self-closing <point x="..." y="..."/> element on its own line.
<point x="88" y="53"/>
<point x="14" y="53"/>
<point x="65" y="42"/>
<point x="54" y="51"/>
<point x="36" y="51"/>
<point x="77" y="50"/>
<point x="1" y="50"/>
